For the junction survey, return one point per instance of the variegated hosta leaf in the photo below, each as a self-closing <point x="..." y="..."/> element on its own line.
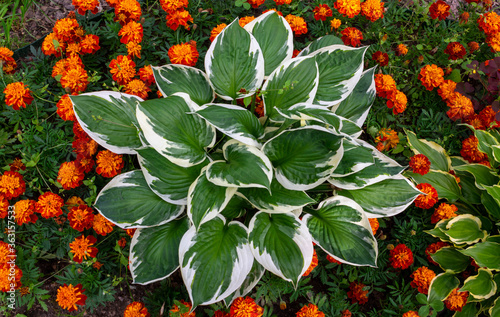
<point x="340" y="227"/>
<point x="441" y="286"/>
<point x="108" y="117"/>
<point x="491" y="200"/>
<point x="449" y="258"/>
<point x="386" y="198"/>
<point x="275" y="38"/>
<point x="234" y="63"/>
<point x="483" y="175"/>
<point x="321" y="42"/>
<point x="470" y="192"/>
<point x="172" y="130"/>
<point x="486" y="254"/>
<point x="215" y="260"/>
<point x="494" y="310"/>
<point x="234" y="121"/>
<point x="245" y="166"/>
<point x="279" y="200"/>
<point x="305" y="157"/>
<point x="249" y="283"/>
<point x="340" y="68"/>
<point x="470" y="309"/>
<point x="173" y="78"/>
<point x="357" y="105"/>
<point x="480" y="286"/>
<point x="495" y="149"/>
<point x="485" y="143"/>
<point x="128" y="202"/>
<point x="282" y="244"/>
<point x="465" y="229"/>
<point x="294" y="81"/>
<point x="154" y="252"/>
<point x="355" y="159"/>
<point x="166" y="179"/>
<point x="236" y="207"/>
<point x="433" y="151"/>
<point x="445" y="184"/>
<point x="439" y="229"/>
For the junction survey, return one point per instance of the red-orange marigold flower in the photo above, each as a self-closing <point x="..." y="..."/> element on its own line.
<point x="131" y="32"/>
<point x="494" y="41"/>
<point x="6" y="59"/>
<point x="4" y="207"/>
<point x="216" y="30"/>
<point x="6" y="252"/>
<point x="487" y="116"/>
<point x="130" y="232"/>
<point x="122" y="69"/>
<point x="173" y="5"/>
<point x="12" y="185"/>
<point x="420" y="164"/>
<point x="177" y="18"/>
<point x="473" y="46"/>
<point x="401" y="50"/>
<point x="401" y="257"/>
<point x="349" y="8"/>
<point x="17" y="165"/>
<point x="85" y="163"/>
<point x="65" y="108"/>
<point x="374" y="225"/>
<point x="297" y="24"/>
<point x="397" y="101"/>
<point x="138" y="88"/>
<point x="489" y="23"/>
<point x="314" y="263"/>
<point x="109" y="164"/>
<point x="73" y="49"/>
<point x="75" y="79"/>
<point x="70" y="175"/>
<point x="351" y="36"/>
<point x="464" y="17"/>
<point x="245" y="20"/>
<point x="256" y="3"/>
<point x="335" y="24"/>
<point x="282" y="2"/>
<point x="102" y="225"/>
<point x="10" y="277"/>
<point x="184" y="54"/>
<point x="357" y="294"/>
<point x="68" y="296"/>
<point x="83" y="5"/>
<point x="133" y="49"/>
<point x="470" y="150"/>
<point x="381" y="58"/>
<point x="422" y="278"/>
<point x="81" y="217"/>
<point x="82" y="248"/>
<point x="431" y="76"/>
<point x="122" y="242"/>
<point x="447" y="89"/>
<point x="475" y="121"/>
<point x="25" y="211"/>
<point x="146" y="75"/>
<point x="51" y="48"/>
<point x="444" y="211"/>
<point x="372" y="9"/>
<point x="455" y="50"/>
<point x="17" y="95"/>
<point x="322" y="11"/>
<point x="127" y="10"/>
<point x="176" y="309"/>
<point x="136" y="309"/>
<point x="433" y="248"/>
<point x="411" y="313"/>
<point x="49" y="205"/>
<point x="456" y="300"/>
<point x="461" y="107"/>
<point x="65" y="29"/>
<point x="385" y="85"/>
<point x="429" y="198"/>
<point x="439" y="10"/>
<point x="386" y="139"/>
<point x="310" y="310"/>
<point x="245" y="307"/>
<point x="89" y="44"/>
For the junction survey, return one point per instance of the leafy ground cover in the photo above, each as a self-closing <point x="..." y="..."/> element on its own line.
<point x="435" y="109"/>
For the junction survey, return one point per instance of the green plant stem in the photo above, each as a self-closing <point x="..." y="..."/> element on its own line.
<point x="38" y="97"/>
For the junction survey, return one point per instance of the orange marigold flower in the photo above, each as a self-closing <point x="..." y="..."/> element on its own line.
<point x="70" y="175"/>
<point x="85" y="163"/>
<point x="386" y="139"/>
<point x="122" y="69"/>
<point x="176" y="309"/>
<point x="49" y="205"/>
<point x="431" y="76"/>
<point x="335" y="24"/>
<point x="455" y="50"/>
<point x="12" y="185"/>
<point x="81" y="217"/>
<point x="446" y="89"/>
<point x="475" y="121"/>
<point x="130" y="232"/>
<point x="75" y="79"/>
<point x="83" y="5"/>
<point x="310" y="310"/>
<point x="131" y="32"/>
<point x="109" y="164"/>
<point x="420" y="164"/>
<point x="17" y="95"/>
<point x="73" y="49"/>
<point x="460" y="107"/>
<point x="357" y="294"/>
<point x="256" y="3"/>
<point x="146" y="75"/>
<point x="331" y="259"/>
<point x="397" y="101"/>
<point x="65" y="29"/>
<point x="82" y="248"/>
<point x="6" y="59"/>
<point x="51" y="48"/>
<point x="444" y="211"/>
<point x="401" y="257"/>
<point x="74" y="201"/>
<point x="314" y="263"/>
<point x="5" y="53"/>
<point x="372" y="9"/>
<point x="282" y="2"/>
<point x="346" y="313"/>
<point x="456" y="300"/>
<point x="184" y="54"/>
<point x="180" y="17"/>
<point x="245" y="20"/>
<point x="216" y="30"/>
<point x="127" y="10"/>
<point x="489" y="23"/>
<point x="473" y="46"/>
<point x="25" y="211"/>
<point x="136" y="309"/>
<point x="381" y="58"/>
<point x="102" y="225"/>
<point x="322" y="11"/>
<point x="374" y="225"/>
<point x="433" y="248"/>
<point x="138" y="88"/>
<point x="470" y="150"/>
<point x="97" y="265"/>
<point x="349" y="8"/>
<point x="487" y="116"/>
<point x="401" y="50"/>
<point x="68" y="296"/>
<point x="275" y="10"/>
<point x="65" y="108"/>
<point x="6" y="252"/>
<point x="245" y="307"/>
<point x="4" y="207"/>
<point x="298" y="24"/>
<point x="133" y="49"/>
<point x="385" y="85"/>
<point x="411" y="313"/>
<point x="351" y="36"/>
<point x="10" y="277"/>
<point x="429" y="197"/>
<point x="59" y="68"/>
<point x="84" y="146"/>
<point x="464" y="17"/>
<point x="422" y="278"/>
<point x="173" y="5"/>
<point x="494" y="41"/>
<point x="122" y="242"/>
<point x="89" y="44"/>
<point x="439" y="10"/>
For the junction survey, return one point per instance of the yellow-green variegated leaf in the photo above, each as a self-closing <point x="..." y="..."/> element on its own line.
<point x="494" y="310"/>
<point x="445" y="184"/>
<point x="491" y="202"/>
<point x="174" y="78"/>
<point x="305" y="157"/>
<point x="154" y="252"/>
<point x="340" y="227"/>
<point x="108" y="117"/>
<point x="480" y="286"/>
<point x="321" y="42"/>
<point x="465" y="229"/>
<point x="275" y="38"/>
<point x="495" y="149"/>
<point x="278" y="200"/>
<point x="356" y="158"/>
<point x="386" y="198"/>
<point x="439" y="230"/>
<point x="433" y="151"/>
<point x="215" y="260"/>
<point x="206" y="200"/>
<point x="292" y="82"/>
<point x="128" y="202"/>
<point x="485" y="143"/>
<point x="282" y="244"/>
<point x="483" y="175"/>
<point x="234" y="63"/>
<point x="248" y="284"/>
<point x="171" y="128"/>
<point x="470" y="192"/>
<point x="234" y="121"/>
<point x="166" y="179"/>
<point x="441" y="286"/>
<point x="451" y="259"/>
<point x="486" y="254"/>
<point x="244" y="166"/>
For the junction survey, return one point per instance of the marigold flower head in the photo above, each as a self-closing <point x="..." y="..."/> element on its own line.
<point x="331" y="259"/>
<point x="176" y="309"/>
<point x="85" y="163"/>
<point x="282" y="2"/>
<point x="136" y="309"/>
<point x="81" y="217"/>
<point x="397" y="101"/>
<point x="444" y="211"/>
<point x="6" y="252"/>
<point x="6" y="59"/>
<point x="138" y="88"/>
<point x="12" y="185"/>
<point x="49" y="205"/>
<point x="455" y="50"/>
<point x="10" y="277"/>
<point x="487" y="116"/>
<point x="439" y="10"/>
<point x="401" y="50"/>
<point x="429" y="197"/>
<point x="489" y="23"/>
<point x="386" y="139"/>
<point x="173" y="5"/>
<point x="256" y="3"/>
<point x="494" y="41"/>
<point x="314" y="263"/>
<point x="17" y="95"/>
<point x="473" y="46"/>
<point x="97" y="265"/>
<point x="475" y="121"/>
<point x="70" y="175"/>
<point x="4" y="207"/>
<point x="102" y="225"/>
<point x="65" y="108"/>
<point x="411" y="313"/>
<point x="131" y="32"/>
<point x="385" y="85"/>
<point x="464" y="17"/>
<point x="351" y="36"/>
<point x="73" y="49"/>
<point x="245" y="307"/>
<point x="84" y="146"/>
<point x="109" y="164"/>
<point x="89" y="44"/>
<point x="25" y="211"/>
<point x="68" y="296"/>
<point x="74" y="201"/>
<point x="297" y="24"/>
<point x="216" y="30"/>
<point x="456" y="300"/>
<point x="470" y="150"/>
<point x="349" y="8"/>
<point x="431" y="76"/>
<point x="65" y="29"/>
<point x="401" y="257"/>
<point x="461" y="107"/>
<point x="177" y="18"/>
<point x="357" y="294"/>
<point x="420" y="164"/>
<point x="335" y="24"/>
<point x="75" y="79"/>
<point x="184" y="54"/>
<point x="433" y="248"/>
<point x="122" y="69"/>
<point x="82" y="248"/>
<point x="127" y="10"/>
<point x="381" y="58"/>
<point x="130" y="232"/>
<point x="447" y="89"/>
<point x="133" y="49"/>
<point x="5" y="54"/>
<point x="146" y="75"/>
<point x="245" y="20"/>
<point x="374" y="225"/>
<point x="422" y="278"/>
<point x="372" y="9"/>
<point x="322" y="11"/>
<point x="83" y="6"/>
<point x="310" y="310"/>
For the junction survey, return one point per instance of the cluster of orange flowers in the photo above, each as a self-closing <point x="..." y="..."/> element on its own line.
<point x="386" y="88"/>
<point x="489" y="23"/>
<point x="68" y="296"/>
<point x="429" y="197"/>
<point x="470" y="151"/>
<point x="136" y="309"/>
<point x="386" y="139"/>
<point x="401" y="257"/>
<point x="371" y="9"/>
<point x="310" y="310"/>
<point x="176" y="13"/>
<point x="297" y="24"/>
<point x="7" y="62"/>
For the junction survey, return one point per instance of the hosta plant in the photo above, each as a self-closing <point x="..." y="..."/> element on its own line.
<point x="223" y="195"/>
<point x="474" y="233"/>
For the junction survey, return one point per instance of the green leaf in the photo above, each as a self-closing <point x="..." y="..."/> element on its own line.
<point x="236" y="207"/>
<point x="245" y="166"/>
<point x="480" y="286"/>
<point x="495" y="149"/>
<point x="494" y="310"/>
<point x="305" y="157"/>
<point x="128" y="202"/>
<point x="214" y="260"/>
<point x="483" y="175"/>
<point x="234" y="121"/>
<point x="174" y="78"/>
<point x="356" y="158"/>
<point x="485" y="141"/>
<point x="340" y="227"/>
<point x="438" y="231"/>
<point x="469" y="310"/>
<point x="491" y="203"/>
<point x="465" y="229"/>
<point x="469" y="190"/>
<point x="234" y="63"/>
<point x="108" y="117"/>
<point x="249" y="283"/>
<point x="486" y="254"/>
<point x="282" y="244"/>
<point x="445" y="184"/>
<point x="171" y="129"/>
<point x="433" y="151"/>
<point x="319" y="43"/>
<point x="441" y="286"/>
<point x="451" y="259"/>
<point x="154" y="252"/>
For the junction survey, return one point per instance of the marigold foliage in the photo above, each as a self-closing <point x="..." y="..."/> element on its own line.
<point x="68" y="296"/>
<point x="401" y="257"/>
